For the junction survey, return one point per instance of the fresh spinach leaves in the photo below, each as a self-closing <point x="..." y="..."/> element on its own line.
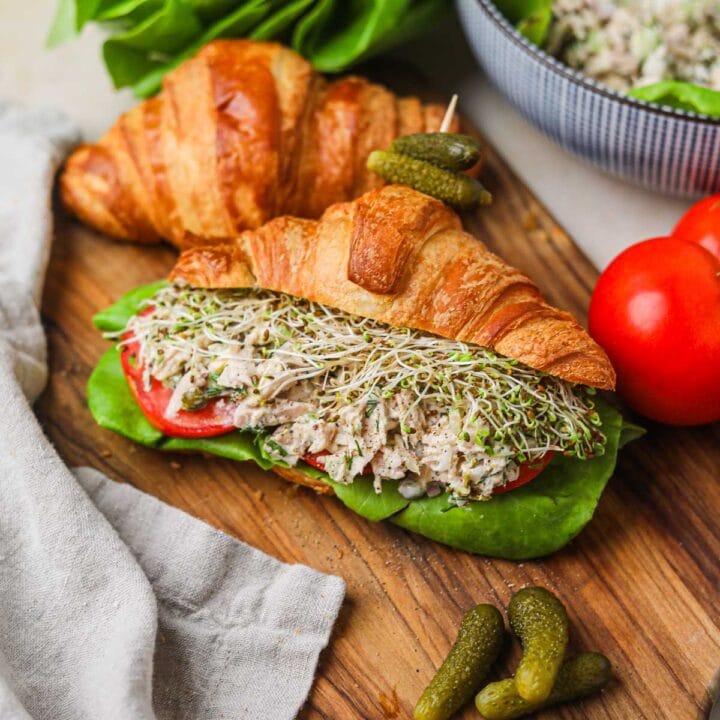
<point x="150" y="37"/>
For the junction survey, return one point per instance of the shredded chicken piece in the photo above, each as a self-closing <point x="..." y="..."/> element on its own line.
<point x="627" y="44"/>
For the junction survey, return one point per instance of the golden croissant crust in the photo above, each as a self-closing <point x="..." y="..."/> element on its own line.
<point x="241" y="133"/>
<point x="401" y="257"/>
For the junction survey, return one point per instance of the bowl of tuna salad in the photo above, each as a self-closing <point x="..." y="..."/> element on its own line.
<point x="633" y="86"/>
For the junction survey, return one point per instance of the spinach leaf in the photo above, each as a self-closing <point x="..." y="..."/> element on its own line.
<point x="333" y="32"/>
<point x="531" y="521"/>
<point x="64" y="25"/>
<point x="629" y="432"/>
<point x="279" y="23"/>
<point x="150" y="37"/>
<point x="115" y="318"/>
<point x="361" y="497"/>
<point x="237" y="23"/>
<point x="681" y="95"/>
<point x="531" y="18"/>
<point x="234" y="446"/>
<point x="127" y="11"/>
<point x="130" y="55"/>
<point x="113" y="405"/>
<point x="71" y="17"/>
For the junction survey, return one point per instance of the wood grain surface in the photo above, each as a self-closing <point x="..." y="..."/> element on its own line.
<point x="641" y="583"/>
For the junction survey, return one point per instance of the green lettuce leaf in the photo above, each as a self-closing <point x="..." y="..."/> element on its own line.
<point x="279" y="23"/>
<point x="115" y="318"/>
<point x="629" y="432"/>
<point x="64" y="25"/>
<point x="113" y="405"/>
<point x="532" y="521"/>
<point x="236" y="24"/>
<point x="361" y="497"/>
<point x="681" y="95"/>
<point x="531" y="18"/>
<point x="128" y="12"/>
<point x="150" y="37"/>
<point x="130" y="55"/>
<point x="333" y="32"/>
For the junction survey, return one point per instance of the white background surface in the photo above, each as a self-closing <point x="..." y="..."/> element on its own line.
<point x="602" y="213"/>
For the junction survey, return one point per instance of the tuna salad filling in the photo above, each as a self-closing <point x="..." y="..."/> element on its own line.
<point x="627" y="44"/>
<point x="436" y="414"/>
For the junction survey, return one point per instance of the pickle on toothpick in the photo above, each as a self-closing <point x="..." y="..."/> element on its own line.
<point x="446" y="150"/>
<point x="455" y="189"/>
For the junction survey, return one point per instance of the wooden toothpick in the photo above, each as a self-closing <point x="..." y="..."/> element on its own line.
<point x="449" y="113"/>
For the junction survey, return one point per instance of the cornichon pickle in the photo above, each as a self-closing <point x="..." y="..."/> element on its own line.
<point x="539" y="619"/>
<point x="478" y="644"/>
<point x="448" y="150"/>
<point x="453" y="188"/>
<point x="583" y="675"/>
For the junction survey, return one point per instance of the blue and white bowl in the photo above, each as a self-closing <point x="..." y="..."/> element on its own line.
<point x="663" y="149"/>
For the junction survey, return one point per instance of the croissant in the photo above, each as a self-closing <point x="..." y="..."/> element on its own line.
<point x="400" y="257"/>
<point x="241" y="133"/>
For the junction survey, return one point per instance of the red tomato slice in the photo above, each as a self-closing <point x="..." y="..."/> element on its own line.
<point x="528" y="471"/>
<point x="214" y="419"/>
<point x="316" y="460"/>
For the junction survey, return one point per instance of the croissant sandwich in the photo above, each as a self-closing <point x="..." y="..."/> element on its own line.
<point x="380" y="353"/>
<point x="241" y="133"/>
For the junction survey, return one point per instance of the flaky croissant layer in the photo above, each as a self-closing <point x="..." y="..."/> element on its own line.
<point x="401" y="257"/>
<point x="241" y="133"/>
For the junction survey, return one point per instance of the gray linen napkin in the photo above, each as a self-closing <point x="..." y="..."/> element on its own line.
<point x="114" y="606"/>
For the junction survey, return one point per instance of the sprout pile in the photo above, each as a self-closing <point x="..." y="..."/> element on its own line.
<point x="437" y="414"/>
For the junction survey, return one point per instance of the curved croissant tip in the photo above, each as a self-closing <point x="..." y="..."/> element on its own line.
<point x="589" y="366"/>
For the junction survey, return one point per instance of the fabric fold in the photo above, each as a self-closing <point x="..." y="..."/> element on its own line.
<point x="263" y="618"/>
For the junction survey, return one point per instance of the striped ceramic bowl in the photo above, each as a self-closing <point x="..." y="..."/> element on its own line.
<point x="660" y="148"/>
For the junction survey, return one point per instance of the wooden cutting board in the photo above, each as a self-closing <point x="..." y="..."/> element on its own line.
<point x="641" y="583"/>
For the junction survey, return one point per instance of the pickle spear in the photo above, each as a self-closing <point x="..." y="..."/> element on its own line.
<point x="478" y="645"/>
<point x="539" y="619"/>
<point x="579" y="677"/>
<point x="455" y="189"/>
<point x="447" y="150"/>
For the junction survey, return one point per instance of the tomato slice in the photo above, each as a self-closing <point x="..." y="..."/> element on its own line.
<point x="213" y="419"/>
<point x="316" y="460"/>
<point x="528" y="472"/>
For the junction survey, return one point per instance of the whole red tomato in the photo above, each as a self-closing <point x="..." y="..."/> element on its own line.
<point x="656" y="311"/>
<point x="701" y="224"/>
